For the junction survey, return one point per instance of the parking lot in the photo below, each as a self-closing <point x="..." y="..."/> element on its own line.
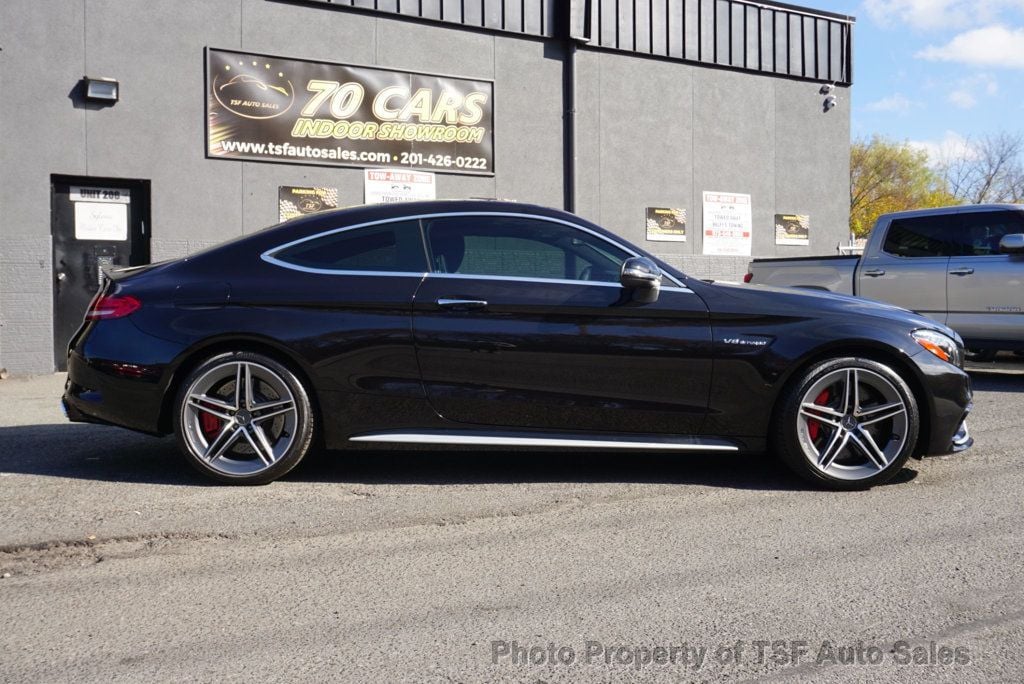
<point x="119" y="563"/>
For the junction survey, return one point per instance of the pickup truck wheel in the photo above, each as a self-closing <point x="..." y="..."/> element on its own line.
<point x="847" y="423"/>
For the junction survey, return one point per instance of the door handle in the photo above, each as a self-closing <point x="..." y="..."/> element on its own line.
<point x="874" y="272"/>
<point x="961" y="271"/>
<point x="461" y="304"/>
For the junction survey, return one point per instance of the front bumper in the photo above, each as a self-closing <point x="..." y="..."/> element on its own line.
<point x="948" y="401"/>
<point x="962" y="440"/>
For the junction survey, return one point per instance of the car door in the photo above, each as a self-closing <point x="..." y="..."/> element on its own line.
<point x="910" y="268"/>
<point x="346" y="306"/>
<point x="986" y="288"/>
<point x="523" y="323"/>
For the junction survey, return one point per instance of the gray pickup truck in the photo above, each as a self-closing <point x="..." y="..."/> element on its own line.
<point x="962" y="266"/>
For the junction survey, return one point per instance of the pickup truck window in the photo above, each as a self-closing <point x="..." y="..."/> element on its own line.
<point x="924" y="236"/>
<point x="983" y="230"/>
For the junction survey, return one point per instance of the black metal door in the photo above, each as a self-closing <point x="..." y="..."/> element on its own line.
<point x="96" y="223"/>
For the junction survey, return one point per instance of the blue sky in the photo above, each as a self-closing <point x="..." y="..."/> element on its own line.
<point x="935" y="72"/>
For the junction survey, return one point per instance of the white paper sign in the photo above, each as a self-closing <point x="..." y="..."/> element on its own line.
<point x="101" y="221"/>
<point x="116" y="195"/>
<point x="728" y="224"/>
<point x="386" y="186"/>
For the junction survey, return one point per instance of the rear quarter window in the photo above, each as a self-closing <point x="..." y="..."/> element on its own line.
<point x="389" y="248"/>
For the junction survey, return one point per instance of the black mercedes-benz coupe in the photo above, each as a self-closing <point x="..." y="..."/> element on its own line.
<point x="498" y="324"/>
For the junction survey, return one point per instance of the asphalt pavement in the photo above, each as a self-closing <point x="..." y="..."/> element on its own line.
<point x="117" y="563"/>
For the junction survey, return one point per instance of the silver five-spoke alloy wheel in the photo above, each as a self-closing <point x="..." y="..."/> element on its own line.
<point x="847" y="423"/>
<point x="239" y="417"/>
<point x="852" y="423"/>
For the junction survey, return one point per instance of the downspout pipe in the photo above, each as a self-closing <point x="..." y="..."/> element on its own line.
<point x="577" y="32"/>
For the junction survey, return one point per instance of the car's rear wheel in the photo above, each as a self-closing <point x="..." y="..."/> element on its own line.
<point x="243" y="418"/>
<point x="847" y="423"/>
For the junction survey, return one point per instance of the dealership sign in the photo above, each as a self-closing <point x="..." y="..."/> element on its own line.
<point x="301" y="112"/>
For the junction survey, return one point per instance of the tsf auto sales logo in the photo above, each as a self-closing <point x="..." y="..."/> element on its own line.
<point x="253" y="88"/>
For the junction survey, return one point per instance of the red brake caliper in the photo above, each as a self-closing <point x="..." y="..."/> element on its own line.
<point x="813" y="426"/>
<point x="209" y="424"/>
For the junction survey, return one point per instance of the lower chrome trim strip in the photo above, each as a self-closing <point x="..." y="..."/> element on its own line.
<point x="553" y="441"/>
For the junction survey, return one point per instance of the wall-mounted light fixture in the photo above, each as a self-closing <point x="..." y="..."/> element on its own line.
<point x="102" y="90"/>
<point x="828" y="90"/>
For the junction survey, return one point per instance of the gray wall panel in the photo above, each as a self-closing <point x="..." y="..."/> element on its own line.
<point x="156" y="130"/>
<point x="308" y="32"/>
<point x="414" y="46"/>
<point x="720" y="131"/>
<point x="528" y="131"/>
<point x="651" y="132"/>
<point x="812" y="165"/>
<point x="590" y="134"/>
<point x="644" y="143"/>
<point x="42" y="59"/>
<point x="734" y="152"/>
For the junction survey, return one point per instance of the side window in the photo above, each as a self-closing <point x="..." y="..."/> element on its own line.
<point x="390" y="247"/>
<point x="520" y="248"/>
<point x="925" y="236"/>
<point x="983" y="230"/>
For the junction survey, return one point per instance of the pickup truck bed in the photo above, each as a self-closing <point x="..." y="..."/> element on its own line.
<point x="832" y="273"/>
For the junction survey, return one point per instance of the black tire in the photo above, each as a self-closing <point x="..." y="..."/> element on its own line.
<point x="806" y="434"/>
<point x="263" y="443"/>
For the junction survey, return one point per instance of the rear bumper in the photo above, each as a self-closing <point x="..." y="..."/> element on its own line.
<point x="95" y="393"/>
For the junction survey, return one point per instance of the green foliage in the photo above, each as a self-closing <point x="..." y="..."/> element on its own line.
<point x="887" y="176"/>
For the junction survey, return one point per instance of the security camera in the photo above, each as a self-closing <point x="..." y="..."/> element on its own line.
<point x="830" y="103"/>
<point x="827" y="88"/>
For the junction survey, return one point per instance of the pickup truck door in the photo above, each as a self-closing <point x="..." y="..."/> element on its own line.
<point x="909" y="268"/>
<point x="986" y="288"/>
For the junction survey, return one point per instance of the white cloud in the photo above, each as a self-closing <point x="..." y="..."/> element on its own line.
<point x="963" y="99"/>
<point x="951" y="146"/>
<point x="992" y="46"/>
<point x="897" y="104"/>
<point x="967" y="90"/>
<point x="939" y="14"/>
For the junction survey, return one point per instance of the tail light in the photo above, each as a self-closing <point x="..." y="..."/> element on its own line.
<point x="112" y="306"/>
<point x="748" y="276"/>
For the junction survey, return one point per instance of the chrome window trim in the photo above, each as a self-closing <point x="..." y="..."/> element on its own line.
<point x="540" y="440"/>
<point x="268" y="255"/>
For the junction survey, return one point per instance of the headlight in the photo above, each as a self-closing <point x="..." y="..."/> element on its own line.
<point x="943" y="346"/>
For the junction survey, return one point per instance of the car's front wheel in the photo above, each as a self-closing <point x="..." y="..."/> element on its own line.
<point x="243" y="418"/>
<point x="847" y="423"/>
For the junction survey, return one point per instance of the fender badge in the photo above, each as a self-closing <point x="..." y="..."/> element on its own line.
<point x="747" y="341"/>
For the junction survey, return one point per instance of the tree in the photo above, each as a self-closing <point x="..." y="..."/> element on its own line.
<point x="989" y="170"/>
<point x="888" y="176"/>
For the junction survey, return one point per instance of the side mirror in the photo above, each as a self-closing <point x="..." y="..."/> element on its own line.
<point x="643" y="277"/>
<point x="1013" y="243"/>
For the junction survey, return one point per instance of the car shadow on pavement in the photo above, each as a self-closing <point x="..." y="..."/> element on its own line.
<point x="95" y="452"/>
<point x="731" y="471"/>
